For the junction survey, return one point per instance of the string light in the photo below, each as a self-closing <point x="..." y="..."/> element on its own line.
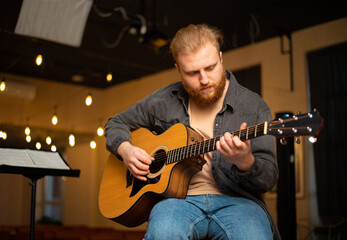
<point x="3" y="85"/>
<point x="71" y="140"/>
<point x="28" y="138"/>
<point x="100" y="131"/>
<point x="53" y="148"/>
<point x="27" y="131"/>
<point x="48" y="140"/>
<point x="39" y="60"/>
<point x="89" y="100"/>
<point x="109" y="77"/>
<point x="92" y="144"/>
<point x="55" y="119"/>
<point x="3" y="135"/>
<point x="38" y="145"/>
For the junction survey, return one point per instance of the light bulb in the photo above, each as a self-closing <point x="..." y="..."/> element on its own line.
<point x="27" y="130"/>
<point x="53" y="148"/>
<point x="48" y="140"/>
<point x="109" y="77"/>
<point x="54" y="119"/>
<point x="3" y="135"/>
<point x="89" y="100"/>
<point x="100" y="131"/>
<point x="71" y="140"/>
<point x="38" y="145"/>
<point x="92" y="144"/>
<point x="38" y="60"/>
<point x="2" y="85"/>
<point x="28" y="138"/>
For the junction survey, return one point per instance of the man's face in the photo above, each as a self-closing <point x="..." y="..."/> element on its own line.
<point x="202" y="74"/>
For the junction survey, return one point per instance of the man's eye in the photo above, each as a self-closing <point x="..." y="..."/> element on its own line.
<point x="192" y="73"/>
<point x="210" y="68"/>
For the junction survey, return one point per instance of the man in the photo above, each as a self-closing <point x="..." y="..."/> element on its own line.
<point x="224" y="199"/>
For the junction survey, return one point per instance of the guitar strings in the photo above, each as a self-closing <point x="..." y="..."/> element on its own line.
<point x="199" y="148"/>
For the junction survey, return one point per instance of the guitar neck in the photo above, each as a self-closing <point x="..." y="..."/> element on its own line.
<point x="209" y="145"/>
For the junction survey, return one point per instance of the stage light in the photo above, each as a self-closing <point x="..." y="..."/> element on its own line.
<point x="39" y="60"/>
<point x="312" y="139"/>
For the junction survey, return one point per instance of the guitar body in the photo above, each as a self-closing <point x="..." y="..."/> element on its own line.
<point x="127" y="200"/>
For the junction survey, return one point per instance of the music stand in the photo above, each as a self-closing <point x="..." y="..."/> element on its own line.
<point x="34" y="165"/>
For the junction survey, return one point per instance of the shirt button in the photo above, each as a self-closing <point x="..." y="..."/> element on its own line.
<point x="217" y="124"/>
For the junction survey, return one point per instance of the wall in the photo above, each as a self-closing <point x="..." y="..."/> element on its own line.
<point x="81" y="193"/>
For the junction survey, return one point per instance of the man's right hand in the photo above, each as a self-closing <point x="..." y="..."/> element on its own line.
<point x="135" y="159"/>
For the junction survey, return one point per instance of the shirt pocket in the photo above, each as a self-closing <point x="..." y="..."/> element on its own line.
<point x="161" y="125"/>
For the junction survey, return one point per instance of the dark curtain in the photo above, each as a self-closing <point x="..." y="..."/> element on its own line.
<point x="328" y="90"/>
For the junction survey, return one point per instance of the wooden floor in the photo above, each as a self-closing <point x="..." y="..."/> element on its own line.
<point x="52" y="232"/>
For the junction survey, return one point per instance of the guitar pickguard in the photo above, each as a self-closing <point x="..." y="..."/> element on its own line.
<point x="155" y="169"/>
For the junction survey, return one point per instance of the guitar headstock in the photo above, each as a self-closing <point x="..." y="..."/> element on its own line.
<point x="299" y="125"/>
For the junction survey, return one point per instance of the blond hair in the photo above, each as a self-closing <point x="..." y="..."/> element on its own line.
<point x="191" y="38"/>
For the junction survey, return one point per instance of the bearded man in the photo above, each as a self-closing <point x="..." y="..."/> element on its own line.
<point x="224" y="199"/>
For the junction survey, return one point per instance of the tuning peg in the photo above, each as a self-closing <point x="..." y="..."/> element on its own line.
<point x="297" y="140"/>
<point x="283" y="141"/>
<point x="312" y="139"/>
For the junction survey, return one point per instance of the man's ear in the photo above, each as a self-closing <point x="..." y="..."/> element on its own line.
<point x="221" y="56"/>
<point x="178" y="68"/>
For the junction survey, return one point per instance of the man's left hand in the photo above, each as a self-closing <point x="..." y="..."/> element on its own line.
<point x="236" y="151"/>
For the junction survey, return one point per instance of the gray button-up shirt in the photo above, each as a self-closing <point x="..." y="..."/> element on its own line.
<point x="168" y="106"/>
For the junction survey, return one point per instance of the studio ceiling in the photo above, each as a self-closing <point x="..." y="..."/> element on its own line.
<point x="133" y="56"/>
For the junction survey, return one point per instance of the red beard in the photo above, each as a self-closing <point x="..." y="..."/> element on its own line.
<point x="207" y="99"/>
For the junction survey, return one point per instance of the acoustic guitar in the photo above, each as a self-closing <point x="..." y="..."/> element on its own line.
<point x="178" y="154"/>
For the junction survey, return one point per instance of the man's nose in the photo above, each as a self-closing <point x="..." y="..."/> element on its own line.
<point x="204" y="80"/>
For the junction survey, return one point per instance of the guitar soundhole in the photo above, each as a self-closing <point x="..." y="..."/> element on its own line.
<point x="156" y="166"/>
<point x="159" y="161"/>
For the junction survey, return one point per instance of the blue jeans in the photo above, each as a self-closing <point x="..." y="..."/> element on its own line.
<point x="208" y="216"/>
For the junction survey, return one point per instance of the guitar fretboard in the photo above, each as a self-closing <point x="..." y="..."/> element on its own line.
<point x="209" y="145"/>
